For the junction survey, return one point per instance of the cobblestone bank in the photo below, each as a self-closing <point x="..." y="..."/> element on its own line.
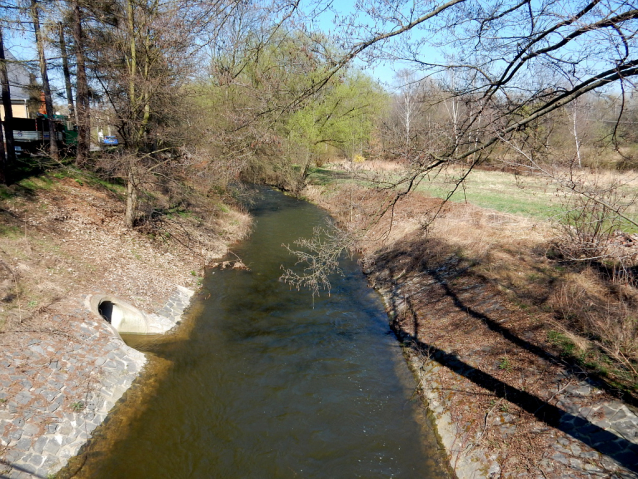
<point x="57" y="389"/>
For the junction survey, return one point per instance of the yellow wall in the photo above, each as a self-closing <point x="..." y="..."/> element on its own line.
<point x="19" y="111"/>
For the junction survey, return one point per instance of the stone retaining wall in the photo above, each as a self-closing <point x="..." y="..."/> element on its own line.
<point x="58" y="389"/>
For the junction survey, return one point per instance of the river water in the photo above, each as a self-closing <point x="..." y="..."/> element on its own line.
<point x="259" y="384"/>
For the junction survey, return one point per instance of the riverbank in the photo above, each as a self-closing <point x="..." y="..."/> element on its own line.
<point x="467" y="301"/>
<point x="63" y="367"/>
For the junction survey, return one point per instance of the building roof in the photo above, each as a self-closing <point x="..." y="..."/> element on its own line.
<point x="19" y="77"/>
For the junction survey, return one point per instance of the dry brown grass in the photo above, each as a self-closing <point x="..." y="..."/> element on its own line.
<point x="375" y="166"/>
<point x="69" y="239"/>
<point x="605" y="312"/>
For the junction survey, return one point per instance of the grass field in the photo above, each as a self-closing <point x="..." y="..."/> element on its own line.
<point x="531" y="196"/>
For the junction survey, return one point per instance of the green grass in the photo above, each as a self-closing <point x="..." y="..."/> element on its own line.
<point x="565" y="345"/>
<point x="526" y="196"/>
<point x="594" y="360"/>
<point x="83" y="177"/>
<point x="505" y="364"/>
<point x="10" y="231"/>
<point x="323" y="176"/>
<point x="178" y="211"/>
<point x="35" y="183"/>
<point x="529" y="196"/>
<point x="38" y="181"/>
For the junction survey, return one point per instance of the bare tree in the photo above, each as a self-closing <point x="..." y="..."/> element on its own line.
<point x="35" y="17"/>
<point x="66" y="72"/>
<point x="575" y="111"/>
<point x="142" y="54"/>
<point x="534" y="45"/>
<point x="82" y="87"/>
<point x="408" y="102"/>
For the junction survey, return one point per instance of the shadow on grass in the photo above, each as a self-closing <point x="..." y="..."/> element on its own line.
<point x="323" y="176"/>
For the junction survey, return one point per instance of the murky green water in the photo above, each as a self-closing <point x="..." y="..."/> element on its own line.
<point x="265" y="386"/>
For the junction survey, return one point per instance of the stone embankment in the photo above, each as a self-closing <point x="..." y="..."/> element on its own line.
<point x="56" y="390"/>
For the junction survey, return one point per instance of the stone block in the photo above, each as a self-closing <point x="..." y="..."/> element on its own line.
<point x="39" y="444"/>
<point x="52" y="447"/>
<point x="49" y="395"/>
<point x="558" y="457"/>
<point x="24" y="444"/>
<point x="36" y="460"/>
<point x="27" y="467"/>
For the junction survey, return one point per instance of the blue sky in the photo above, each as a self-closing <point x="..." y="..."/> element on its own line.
<point x="382" y="71"/>
<point x="22" y="45"/>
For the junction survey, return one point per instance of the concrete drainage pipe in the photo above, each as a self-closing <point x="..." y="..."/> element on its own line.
<point x="123" y="317"/>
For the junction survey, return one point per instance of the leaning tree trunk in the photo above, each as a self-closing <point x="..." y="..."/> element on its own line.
<point x="45" y="80"/>
<point x="82" y="88"/>
<point x="8" y="162"/>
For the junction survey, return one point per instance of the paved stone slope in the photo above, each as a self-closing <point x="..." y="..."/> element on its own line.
<point x="171" y="313"/>
<point x="55" y="390"/>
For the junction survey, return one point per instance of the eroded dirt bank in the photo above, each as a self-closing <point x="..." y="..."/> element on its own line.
<point x="480" y="338"/>
<point x="63" y="367"/>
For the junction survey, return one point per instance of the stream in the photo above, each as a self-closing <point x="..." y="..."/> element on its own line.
<point x="259" y="384"/>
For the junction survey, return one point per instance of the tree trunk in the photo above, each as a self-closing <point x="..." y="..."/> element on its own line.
<point x="45" y="80"/>
<point x="3" y="160"/>
<point x="131" y="199"/>
<point x="575" y="132"/>
<point x="132" y="71"/>
<point x="8" y="162"/>
<point x="82" y="88"/>
<point x="67" y="73"/>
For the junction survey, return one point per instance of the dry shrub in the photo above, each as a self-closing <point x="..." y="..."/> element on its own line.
<point x="586" y="230"/>
<point x="609" y="318"/>
<point x="595" y="208"/>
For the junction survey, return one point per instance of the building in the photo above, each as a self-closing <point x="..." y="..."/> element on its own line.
<point x="19" y="80"/>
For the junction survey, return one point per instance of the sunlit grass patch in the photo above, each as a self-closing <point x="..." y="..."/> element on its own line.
<point x="533" y="196"/>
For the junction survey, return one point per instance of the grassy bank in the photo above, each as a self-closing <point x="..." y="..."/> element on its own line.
<point x="533" y="196"/>
<point x="62" y="234"/>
